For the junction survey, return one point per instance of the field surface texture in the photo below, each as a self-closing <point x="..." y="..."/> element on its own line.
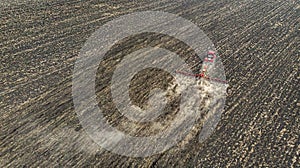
<point x="258" y="42"/>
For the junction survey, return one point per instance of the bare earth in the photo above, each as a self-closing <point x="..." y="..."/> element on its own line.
<point x="259" y="45"/>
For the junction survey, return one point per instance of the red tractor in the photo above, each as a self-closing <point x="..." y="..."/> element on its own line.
<point x="208" y="61"/>
<point x="211" y="55"/>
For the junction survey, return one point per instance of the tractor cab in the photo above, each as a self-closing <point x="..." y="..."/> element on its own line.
<point x="211" y="55"/>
